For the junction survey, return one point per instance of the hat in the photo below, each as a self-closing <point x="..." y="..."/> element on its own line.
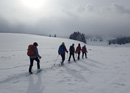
<point x="35" y="43"/>
<point x="63" y="43"/>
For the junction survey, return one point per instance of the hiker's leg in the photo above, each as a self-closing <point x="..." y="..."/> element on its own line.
<point x="69" y="57"/>
<point x="38" y="63"/>
<point x="31" y="64"/>
<point x="78" y="56"/>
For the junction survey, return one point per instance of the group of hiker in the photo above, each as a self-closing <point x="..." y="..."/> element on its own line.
<point x="34" y="55"/>
<point x="72" y="51"/>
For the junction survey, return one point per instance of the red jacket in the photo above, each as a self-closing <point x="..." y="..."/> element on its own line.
<point x="78" y="49"/>
<point x="84" y="49"/>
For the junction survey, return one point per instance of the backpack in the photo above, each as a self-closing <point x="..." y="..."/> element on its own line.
<point x="61" y="50"/>
<point x="30" y="51"/>
<point x="71" y="49"/>
<point x="77" y="50"/>
<point x="83" y="49"/>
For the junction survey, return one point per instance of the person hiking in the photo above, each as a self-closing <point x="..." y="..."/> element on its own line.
<point x="61" y="51"/>
<point x="78" y="50"/>
<point x="33" y="55"/>
<point x="84" y="51"/>
<point x="72" y="51"/>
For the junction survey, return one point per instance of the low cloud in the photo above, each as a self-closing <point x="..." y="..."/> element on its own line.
<point x="121" y="9"/>
<point x="63" y="18"/>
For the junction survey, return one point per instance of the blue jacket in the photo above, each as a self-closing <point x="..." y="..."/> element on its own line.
<point x="62" y="49"/>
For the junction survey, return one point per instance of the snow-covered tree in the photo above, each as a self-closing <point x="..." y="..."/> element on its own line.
<point x="78" y="36"/>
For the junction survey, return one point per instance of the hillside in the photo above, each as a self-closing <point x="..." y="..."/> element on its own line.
<point x="107" y="69"/>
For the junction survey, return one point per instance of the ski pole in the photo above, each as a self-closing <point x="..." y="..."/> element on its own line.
<point x="67" y="55"/>
<point x="76" y="55"/>
<point x="55" y="61"/>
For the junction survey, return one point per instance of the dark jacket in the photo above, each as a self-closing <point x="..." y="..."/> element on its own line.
<point x="72" y="49"/>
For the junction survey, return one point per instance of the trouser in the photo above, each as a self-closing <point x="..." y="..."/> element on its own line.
<point x="84" y="53"/>
<point x="71" y="54"/>
<point x="78" y="56"/>
<point x="31" y="63"/>
<point x="63" y="57"/>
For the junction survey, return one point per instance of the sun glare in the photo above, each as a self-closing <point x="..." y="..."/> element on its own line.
<point x="34" y="3"/>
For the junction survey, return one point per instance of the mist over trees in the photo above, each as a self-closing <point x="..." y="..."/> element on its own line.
<point x="94" y="38"/>
<point x="78" y="36"/>
<point x="120" y="41"/>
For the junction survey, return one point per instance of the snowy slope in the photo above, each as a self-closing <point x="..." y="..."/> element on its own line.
<point x="107" y="69"/>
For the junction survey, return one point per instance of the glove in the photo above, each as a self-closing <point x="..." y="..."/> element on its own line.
<point x="40" y="57"/>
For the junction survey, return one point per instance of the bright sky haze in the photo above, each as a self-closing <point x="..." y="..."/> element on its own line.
<point x="63" y="17"/>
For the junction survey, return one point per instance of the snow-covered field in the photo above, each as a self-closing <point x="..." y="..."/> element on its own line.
<point x="107" y="69"/>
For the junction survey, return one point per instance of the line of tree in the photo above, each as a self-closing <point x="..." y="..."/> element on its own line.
<point x="78" y="36"/>
<point x="53" y="36"/>
<point x="120" y="41"/>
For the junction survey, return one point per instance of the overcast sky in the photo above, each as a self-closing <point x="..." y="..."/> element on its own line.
<point x="63" y="17"/>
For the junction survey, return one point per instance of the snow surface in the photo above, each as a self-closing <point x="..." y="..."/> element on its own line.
<point x="107" y="69"/>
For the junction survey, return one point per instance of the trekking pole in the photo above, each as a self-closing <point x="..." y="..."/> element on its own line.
<point x="67" y="55"/>
<point x="76" y="55"/>
<point x="55" y="62"/>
